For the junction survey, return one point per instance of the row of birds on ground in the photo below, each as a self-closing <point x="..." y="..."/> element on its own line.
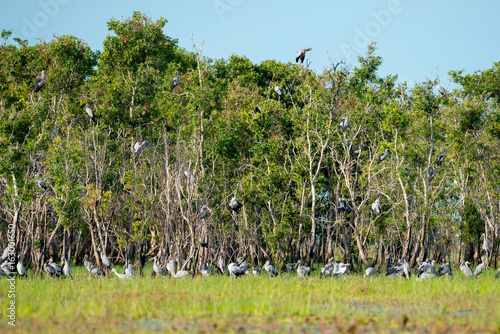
<point x="425" y="269"/>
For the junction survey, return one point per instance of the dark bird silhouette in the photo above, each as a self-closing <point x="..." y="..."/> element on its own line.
<point x="175" y="81"/>
<point x="432" y="174"/>
<point x="256" y="111"/>
<point x="383" y="156"/>
<point x="441" y="157"/>
<point x="344" y="123"/>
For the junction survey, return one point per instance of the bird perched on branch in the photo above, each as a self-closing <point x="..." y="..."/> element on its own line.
<point x="383" y="156"/>
<point x="344" y="123"/>
<point x="280" y="93"/>
<point x="301" y="55"/>
<point x="90" y="112"/>
<point x="377" y="207"/>
<point x="235" y="205"/>
<point x="441" y="157"/>
<point x="40" y="81"/>
<point x="440" y="89"/>
<point x="175" y="81"/>
<point x="139" y="147"/>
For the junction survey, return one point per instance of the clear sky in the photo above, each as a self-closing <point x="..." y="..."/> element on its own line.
<point x="414" y="37"/>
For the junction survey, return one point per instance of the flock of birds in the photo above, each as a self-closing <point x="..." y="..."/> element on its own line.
<point x="424" y="270"/>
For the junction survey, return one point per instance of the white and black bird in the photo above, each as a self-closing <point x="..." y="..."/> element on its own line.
<point x="90" y="112"/>
<point x="301" y="270"/>
<point x="66" y="268"/>
<point x="105" y="260"/>
<point x="342" y="206"/>
<point x="121" y="276"/>
<point x="464" y="267"/>
<point x="204" y="270"/>
<point x="344" y="123"/>
<point x="49" y="269"/>
<point x="377" y="207"/>
<point x="486" y="245"/>
<point x="41" y="184"/>
<point x="57" y="268"/>
<point x="383" y="156"/>
<point x="440" y="158"/>
<point x="480" y="267"/>
<point x="290" y="267"/>
<point x="157" y="269"/>
<point x="234" y="270"/>
<point x="445" y="269"/>
<point x="40" y="81"/>
<point x="301" y="55"/>
<point x="97" y="272"/>
<point x="175" y="81"/>
<point x="202" y="213"/>
<point x="280" y="93"/>
<point x="432" y="174"/>
<point x="129" y="270"/>
<point x="255" y="271"/>
<point x="183" y="274"/>
<point x="139" y="147"/>
<point x="21" y="271"/>
<point x="256" y="111"/>
<point x="370" y="271"/>
<point x="271" y="270"/>
<point x="235" y="205"/>
<point x="441" y="89"/>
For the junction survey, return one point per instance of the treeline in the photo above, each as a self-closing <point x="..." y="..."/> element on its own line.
<point x="307" y="186"/>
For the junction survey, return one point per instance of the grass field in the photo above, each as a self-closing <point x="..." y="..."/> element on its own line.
<point x="254" y="304"/>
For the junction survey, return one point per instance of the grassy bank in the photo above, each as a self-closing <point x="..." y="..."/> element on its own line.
<point x="253" y="304"/>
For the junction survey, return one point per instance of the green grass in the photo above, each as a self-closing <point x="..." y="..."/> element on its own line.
<point x="254" y="304"/>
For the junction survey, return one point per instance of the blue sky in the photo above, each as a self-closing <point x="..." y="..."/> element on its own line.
<point x="415" y="38"/>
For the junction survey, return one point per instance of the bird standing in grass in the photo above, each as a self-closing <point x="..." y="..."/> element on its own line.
<point x="157" y="269"/>
<point x="480" y="267"/>
<point x="66" y="268"/>
<point x="271" y="270"/>
<point x="21" y="271"/>
<point x="105" y="260"/>
<point x="129" y="270"/>
<point x="464" y="266"/>
<point x="57" y="268"/>
<point x="121" y="276"/>
<point x="49" y="269"/>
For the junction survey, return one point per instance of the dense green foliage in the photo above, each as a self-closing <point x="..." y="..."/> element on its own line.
<point x="289" y="165"/>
